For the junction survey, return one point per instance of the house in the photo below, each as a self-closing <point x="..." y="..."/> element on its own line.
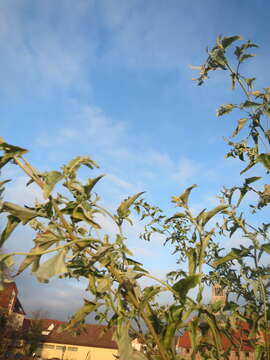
<point x="10" y="303"/>
<point x="91" y="344"/>
<point x="238" y="348"/>
<point x="12" y="316"/>
<point x="94" y="343"/>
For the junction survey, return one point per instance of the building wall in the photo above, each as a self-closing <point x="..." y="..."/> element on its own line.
<point x="74" y="352"/>
<point x="243" y="355"/>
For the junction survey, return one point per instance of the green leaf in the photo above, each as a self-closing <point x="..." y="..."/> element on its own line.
<point x="256" y="93"/>
<point x="10" y="152"/>
<point x="184" y="285"/>
<point x="125" y="349"/>
<point x="249" y="81"/>
<point x="249" y="44"/>
<point x="265" y="160"/>
<point x="176" y="216"/>
<point x="182" y="200"/>
<point x="175" y="318"/>
<point x="245" y="57"/>
<point x="28" y="260"/>
<point x="227" y="41"/>
<point x="43" y="240"/>
<point x="248" y="104"/>
<point x="123" y="209"/>
<point x="193" y="327"/>
<point x="234" y="254"/>
<point x="231" y="306"/>
<point x="54" y="266"/>
<point x="103" y="285"/>
<point x="51" y="179"/>
<point x="225" y="109"/>
<point x="4" y="182"/>
<point x="192" y="260"/>
<point x="11" y="148"/>
<point x="7" y="260"/>
<point x="81" y="314"/>
<point x="148" y="294"/>
<point x="252" y="179"/>
<point x="250" y="165"/>
<point x="20" y="212"/>
<point x="79" y="213"/>
<point x="12" y="222"/>
<point x="206" y="216"/>
<point x="238" y="51"/>
<point x="241" y="124"/>
<point x="91" y="183"/>
<point x="71" y="168"/>
<point x="266" y="248"/>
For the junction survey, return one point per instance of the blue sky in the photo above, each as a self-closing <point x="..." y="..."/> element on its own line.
<point x="111" y="79"/>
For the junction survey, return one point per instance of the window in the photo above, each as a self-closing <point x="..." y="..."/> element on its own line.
<point x="63" y="348"/>
<point x="72" y="349"/>
<point x="48" y="346"/>
<point x="246" y="354"/>
<point x="187" y="351"/>
<point x="218" y="291"/>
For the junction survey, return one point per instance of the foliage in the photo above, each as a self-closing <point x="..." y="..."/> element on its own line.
<point x="33" y="335"/>
<point x="68" y="226"/>
<point x="11" y="335"/>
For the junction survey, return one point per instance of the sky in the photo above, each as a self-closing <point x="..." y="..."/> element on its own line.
<point x="112" y="79"/>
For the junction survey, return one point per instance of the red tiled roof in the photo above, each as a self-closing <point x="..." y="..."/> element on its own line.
<point x="91" y="335"/>
<point x="238" y="336"/>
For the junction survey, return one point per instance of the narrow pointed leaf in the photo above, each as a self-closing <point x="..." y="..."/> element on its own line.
<point x="266" y="247"/>
<point x="12" y="222"/>
<point x="206" y="216"/>
<point x="241" y="124"/>
<point x="126" y="351"/>
<point x="20" y="212"/>
<point x="227" y="41"/>
<point x="91" y="183"/>
<point x="80" y="213"/>
<point x="75" y="164"/>
<point x="234" y="254"/>
<point x="248" y="104"/>
<point x="81" y="314"/>
<point x="245" y="57"/>
<point x="252" y="179"/>
<point x="123" y="209"/>
<point x="182" y="200"/>
<point x="225" y="109"/>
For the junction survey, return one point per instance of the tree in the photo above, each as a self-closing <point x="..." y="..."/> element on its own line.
<point x="33" y="334"/>
<point x="68" y="226"/>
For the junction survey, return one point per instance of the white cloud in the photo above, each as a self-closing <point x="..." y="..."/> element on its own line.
<point x="18" y="193"/>
<point x="92" y="124"/>
<point x="185" y="170"/>
<point x="64" y="135"/>
<point x="120" y="182"/>
<point x="41" y="53"/>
